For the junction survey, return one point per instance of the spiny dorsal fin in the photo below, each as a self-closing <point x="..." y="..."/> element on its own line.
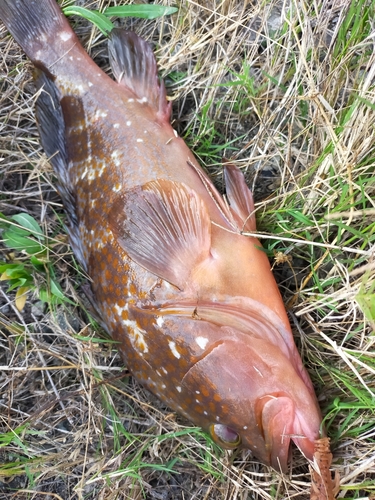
<point x="134" y="66"/>
<point x="216" y="197"/>
<point x="164" y="226"/>
<point x="240" y="197"/>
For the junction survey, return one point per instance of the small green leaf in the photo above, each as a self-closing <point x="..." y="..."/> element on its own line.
<point x="56" y="290"/>
<point x="9" y="270"/>
<point x="94" y="16"/>
<point x="21" y="243"/>
<point x="18" y="230"/>
<point x="28" y="222"/>
<point x="18" y="283"/>
<point x="142" y="11"/>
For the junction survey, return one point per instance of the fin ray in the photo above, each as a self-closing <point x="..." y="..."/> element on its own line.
<point x="52" y="131"/>
<point x="40" y="28"/>
<point x="164" y="226"/>
<point x="134" y="66"/>
<point x="240" y="197"/>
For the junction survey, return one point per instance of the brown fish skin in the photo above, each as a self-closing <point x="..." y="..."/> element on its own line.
<point x="191" y="300"/>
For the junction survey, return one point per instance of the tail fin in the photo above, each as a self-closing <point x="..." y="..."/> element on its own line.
<point x="39" y="27"/>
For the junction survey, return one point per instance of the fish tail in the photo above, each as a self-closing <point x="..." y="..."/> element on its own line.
<point x="40" y="28"/>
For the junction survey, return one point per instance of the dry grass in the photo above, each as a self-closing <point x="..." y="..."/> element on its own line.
<point x="288" y="89"/>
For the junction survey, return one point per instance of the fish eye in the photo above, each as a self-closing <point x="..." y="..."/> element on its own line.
<point x="225" y="436"/>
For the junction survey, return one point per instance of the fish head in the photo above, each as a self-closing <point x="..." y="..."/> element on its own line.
<point x="257" y="400"/>
<point x="244" y="390"/>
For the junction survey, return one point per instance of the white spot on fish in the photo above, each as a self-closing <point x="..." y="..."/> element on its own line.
<point x="172" y="347"/>
<point x="65" y="36"/>
<point x="218" y="419"/>
<point x="84" y="173"/>
<point x="197" y="400"/>
<point x="164" y="370"/>
<point x="102" y="170"/>
<point x="131" y="100"/>
<point x="178" y="388"/>
<point x="90" y="84"/>
<point x="92" y="231"/>
<point x="244" y="427"/>
<point x="120" y="310"/>
<point x="80" y="88"/>
<point x="136" y="334"/>
<point x="128" y="123"/>
<point x="202" y="342"/>
<point x="205" y="412"/>
<point x="93" y="203"/>
<point x="100" y="114"/>
<point x="139" y="140"/>
<point x="163" y="386"/>
<point x="71" y="58"/>
<point x="175" y="133"/>
<point x="197" y="392"/>
<point x="144" y="99"/>
<point x="115" y="156"/>
<point x="157" y="371"/>
<point x="116" y="125"/>
<point x="160" y="321"/>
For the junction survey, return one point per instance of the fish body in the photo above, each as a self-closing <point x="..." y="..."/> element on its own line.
<point x="192" y="302"/>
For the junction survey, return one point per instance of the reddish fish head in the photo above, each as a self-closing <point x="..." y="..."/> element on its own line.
<point x="244" y="387"/>
<point x="260" y="402"/>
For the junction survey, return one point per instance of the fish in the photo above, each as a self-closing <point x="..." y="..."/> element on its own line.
<point x="189" y="298"/>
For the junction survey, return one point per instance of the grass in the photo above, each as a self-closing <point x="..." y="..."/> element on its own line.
<point x="286" y="91"/>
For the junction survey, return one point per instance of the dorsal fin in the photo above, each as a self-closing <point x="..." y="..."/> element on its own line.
<point x="240" y="197"/>
<point x="164" y="226"/>
<point x="134" y="66"/>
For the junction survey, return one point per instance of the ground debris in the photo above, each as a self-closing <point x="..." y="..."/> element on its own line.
<point x="323" y="487"/>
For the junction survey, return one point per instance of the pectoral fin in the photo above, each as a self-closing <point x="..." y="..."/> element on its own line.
<point x="164" y="226"/>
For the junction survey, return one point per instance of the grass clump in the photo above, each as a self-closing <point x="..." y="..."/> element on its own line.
<point x="286" y="91"/>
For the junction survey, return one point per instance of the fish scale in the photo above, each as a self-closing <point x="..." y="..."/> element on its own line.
<point x="191" y="301"/>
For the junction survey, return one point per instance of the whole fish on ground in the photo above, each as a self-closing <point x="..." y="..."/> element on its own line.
<point x="191" y="300"/>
